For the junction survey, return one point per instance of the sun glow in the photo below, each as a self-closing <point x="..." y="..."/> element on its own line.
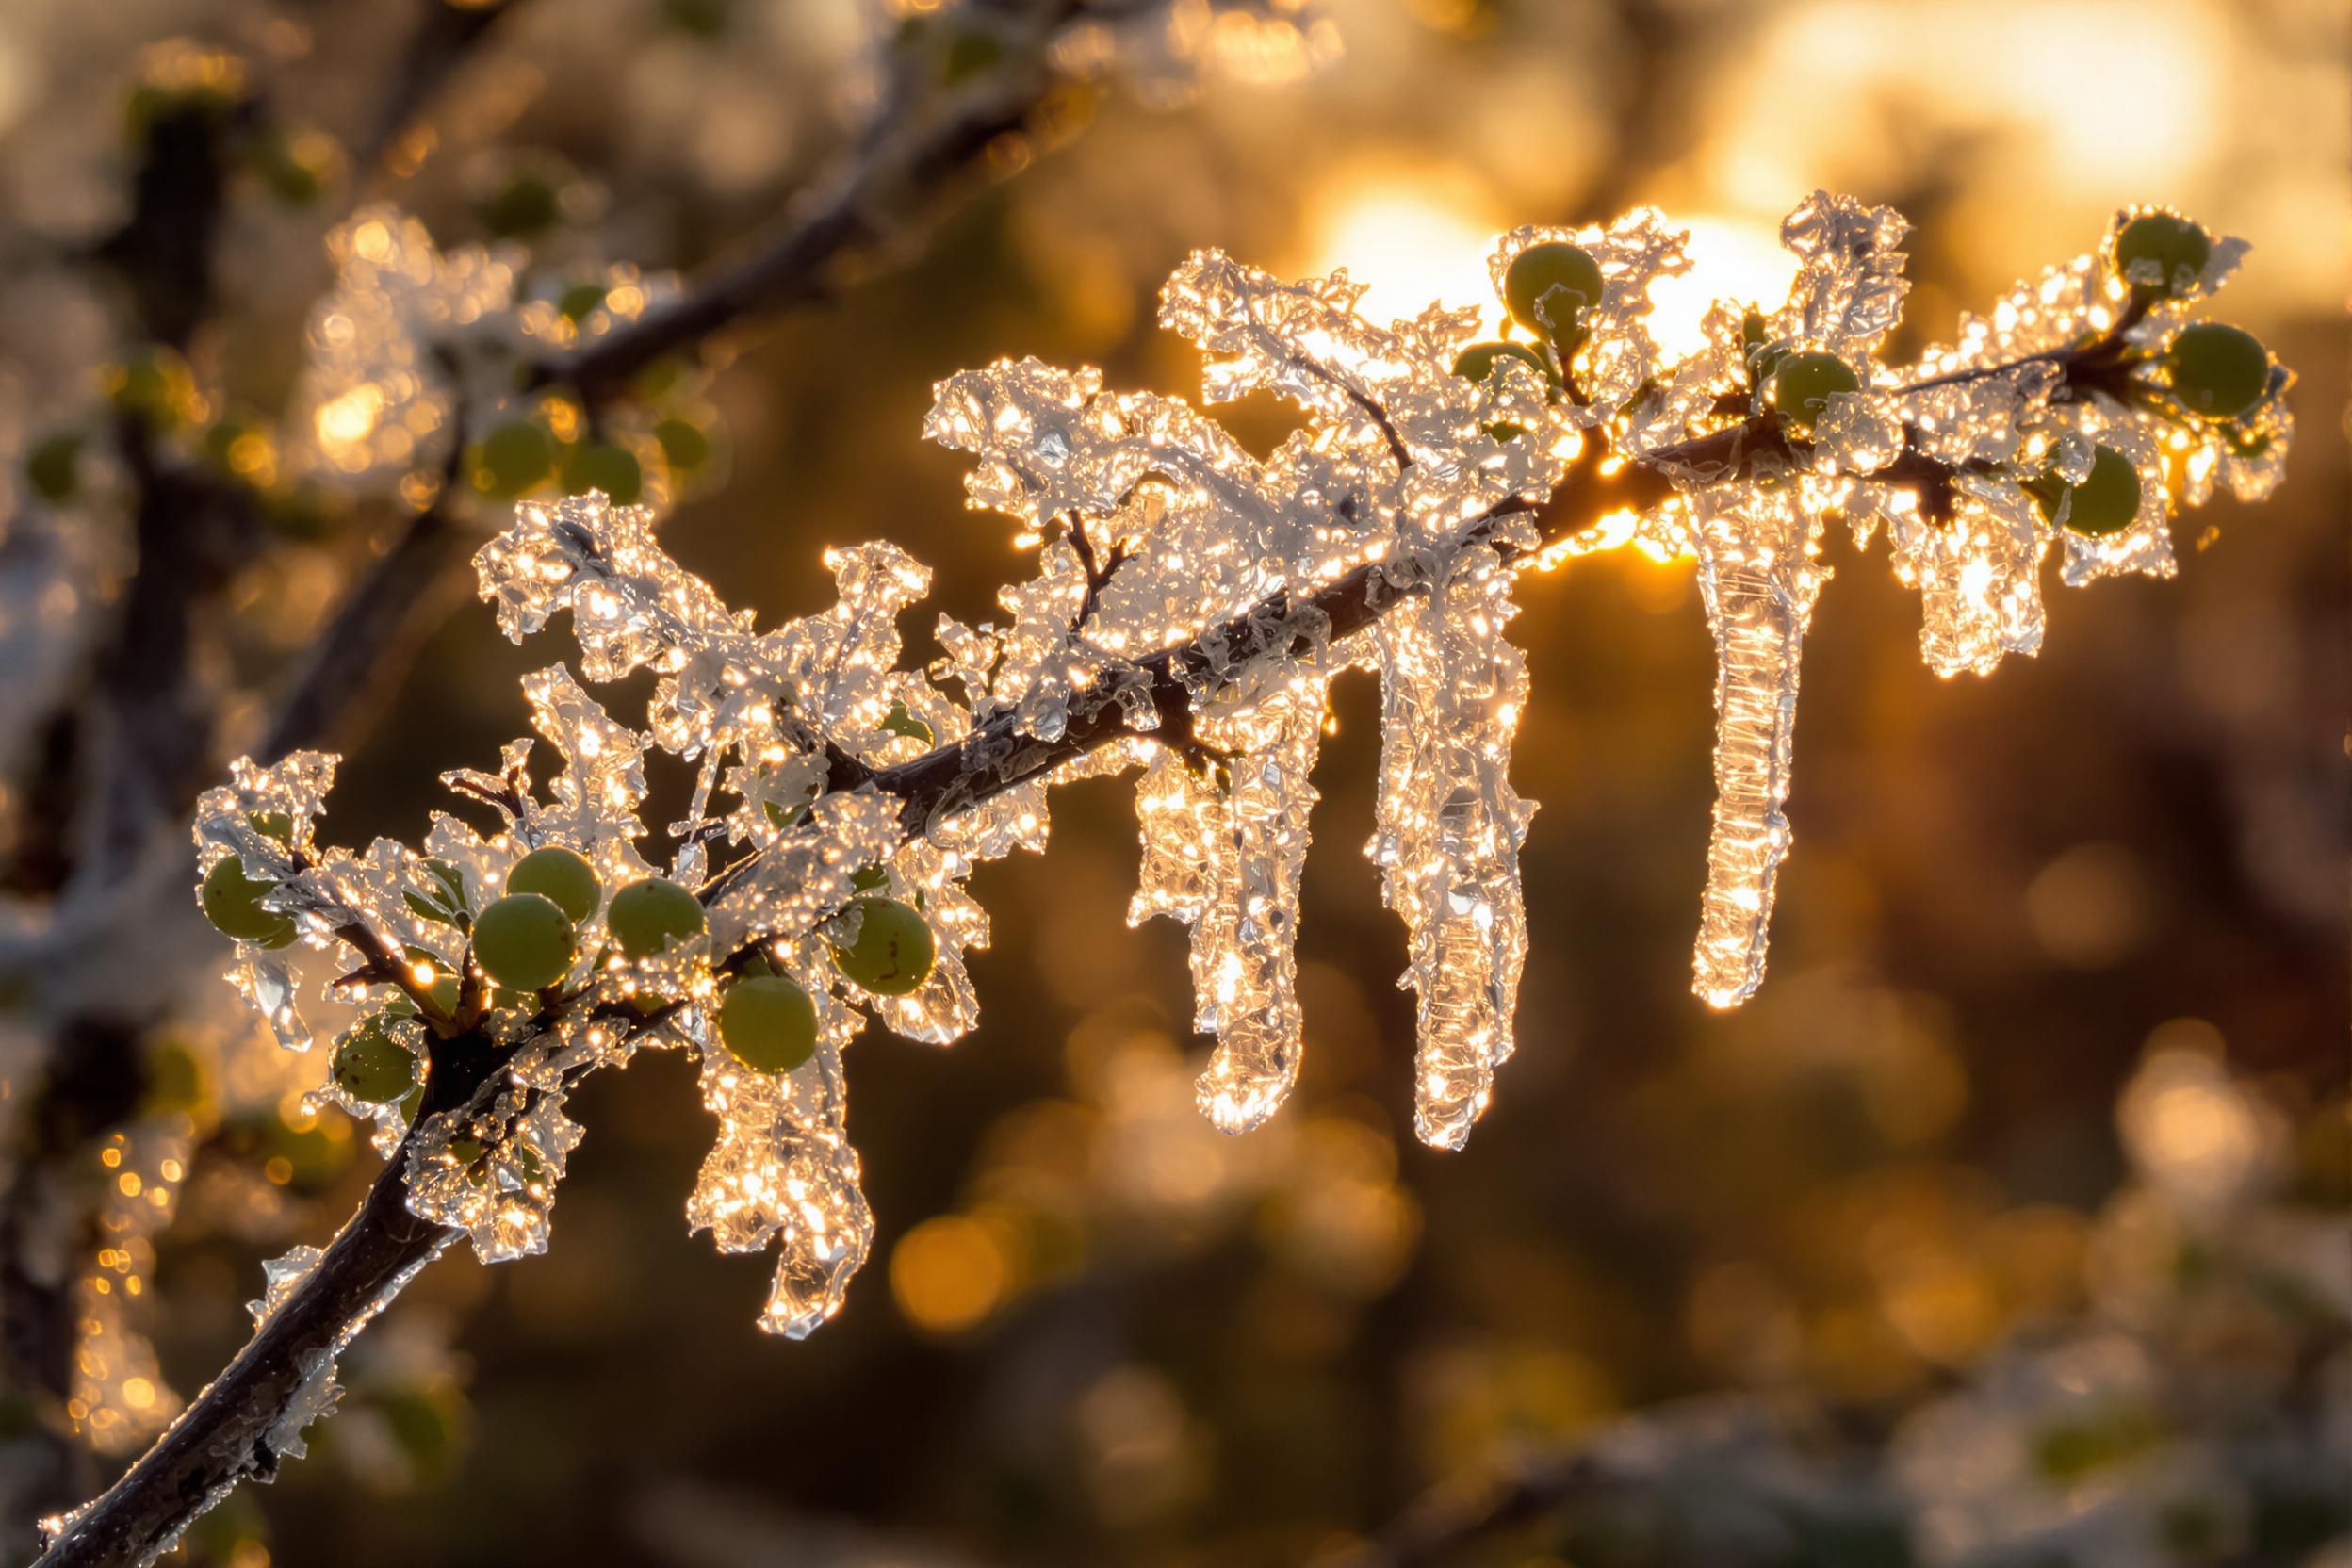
<point x="1734" y="258"/>
<point x="1412" y="237"/>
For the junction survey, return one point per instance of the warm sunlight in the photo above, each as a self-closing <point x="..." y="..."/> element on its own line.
<point x="1412" y="236"/>
<point x="1731" y="258"/>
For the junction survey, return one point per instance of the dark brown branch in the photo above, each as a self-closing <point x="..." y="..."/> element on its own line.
<point x="444" y="38"/>
<point x="224" y="1437"/>
<point x="842" y="224"/>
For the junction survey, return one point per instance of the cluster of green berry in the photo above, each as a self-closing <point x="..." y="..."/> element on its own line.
<point x="525" y="940"/>
<point x="153" y="388"/>
<point x="2214" y="372"/>
<point x="549" y="446"/>
<point x="1550" y="290"/>
<point x="190" y="90"/>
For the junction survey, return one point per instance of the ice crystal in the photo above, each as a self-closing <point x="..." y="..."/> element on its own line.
<point x="415" y="349"/>
<point x="1191" y="605"/>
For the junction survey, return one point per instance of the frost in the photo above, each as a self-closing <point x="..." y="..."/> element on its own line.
<point x="412" y="340"/>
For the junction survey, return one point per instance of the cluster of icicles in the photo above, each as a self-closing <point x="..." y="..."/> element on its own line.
<point x="1152" y="526"/>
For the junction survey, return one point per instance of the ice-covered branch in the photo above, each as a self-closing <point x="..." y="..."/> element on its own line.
<point x="1191" y="607"/>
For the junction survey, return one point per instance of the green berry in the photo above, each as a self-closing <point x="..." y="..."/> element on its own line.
<point x="512" y="459"/>
<point x="54" y="466"/>
<point x="523" y="941"/>
<point x="893" y="951"/>
<point x="563" y="876"/>
<point x="1762" y="354"/>
<point x="175" y="1081"/>
<point x="700" y="18"/>
<point x="369" y="1065"/>
<point x="769" y="1022"/>
<point x="2105" y="502"/>
<point x="602" y="465"/>
<point x="900" y="720"/>
<point x="2219" y="370"/>
<point x="685" y="446"/>
<point x="577" y="302"/>
<point x="1548" y="287"/>
<point x="971" y="52"/>
<point x="1476" y="362"/>
<point x="2172" y="244"/>
<point x="1804" y="384"/>
<point x="297" y="165"/>
<point x="648" y="916"/>
<point x="271" y="825"/>
<point x="525" y="206"/>
<point x="155" y="386"/>
<point x="232" y="901"/>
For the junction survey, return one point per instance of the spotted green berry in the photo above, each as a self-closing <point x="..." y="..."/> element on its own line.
<point x="2171" y="245"/>
<point x="369" y="1065"/>
<point x="2217" y="369"/>
<point x="232" y="901"/>
<point x="563" y="876"/>
<point x="1548" y="287"/>
<point x="1804" y="384"/>
<point x="603" y="466"/>
<point x="648" y="916"/>
<point x="512" y="458"/>
<point x="2105" y="502"/>
<point x="1476" y="362"/>
<point x="769" y="1022"/>
<point x="894" y="949"/>
<point x="523" y="941"/>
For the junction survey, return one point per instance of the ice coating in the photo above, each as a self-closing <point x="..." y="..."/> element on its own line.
<point x="373" y="398"/>
<point x="782" y="1170"/>
<point x="413" y="340"/>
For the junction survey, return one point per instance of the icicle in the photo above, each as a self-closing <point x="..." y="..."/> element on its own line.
<point x="1758" y="578"/>
<point x="1448" y="832"/>
<point x="783" y="1169"/>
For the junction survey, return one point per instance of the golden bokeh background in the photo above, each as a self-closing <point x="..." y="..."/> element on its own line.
<point x="2055" y="950"/>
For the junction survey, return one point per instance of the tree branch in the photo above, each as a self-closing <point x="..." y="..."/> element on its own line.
<point x="844" y="222"/>
<point x="219" y="1440"/>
